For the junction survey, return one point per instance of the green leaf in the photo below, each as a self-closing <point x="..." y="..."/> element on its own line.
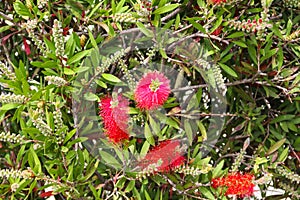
<point x="206" y="193"/>
<point x="252" y="53"/>
<point x="111" y="78"/>
<point x="145" y="148"/>
<point x="217" y="24"/>
<point x="155" y="126"/>
<point x="282" y="118"/>
<point x="228" y="70"/>
<point x="276" y="146"/>
<point x="217" y="171"/>
<point x="77" y="57"/>
<point x="188" y="130"/>
<point x="130" y="186"/>
<point x="240" y="43"/>
<point x="4" y="28"/>
<point x="68" y="71"/>
<point x="33" y="161"/>
<point x="22" y="9"/>
<point x="148" y="134"/>
<point x="9" y="106"/>
<point x="202" y="131"/>
<point x="109" y="159"/>
<point x="283" y="155"/>
<point x="236" y="34"/>
<point x="144" y="30"/>
<point x="91" y="170"/>
<point x="197" y="26"/>
<point x="91" y="97"/>
<point x="166" y="8"/>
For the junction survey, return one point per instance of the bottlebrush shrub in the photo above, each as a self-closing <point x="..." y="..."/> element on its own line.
<point x="149" y="135"/>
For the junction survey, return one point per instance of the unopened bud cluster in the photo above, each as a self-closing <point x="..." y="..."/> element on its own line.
<point x="58" y="38"/>
<point x="249" y="25"/>
<point x="143" y="8"/>
<point x="41" y="4"/>
<point x="191" y="170"/>
<point x="107" y="61"/>
<point x="30" y="26"/>
<point x="12" y="98"/>
<point x="7" y="72"/>
<point x="205" y="99"/>
<point x="11" y="137"/>
<point x="289" y="175"/>
<point x="56" y="80"/>
<point x="128" y="76"/>
<point x="219" y="80"/>
<point x="58" y="124"/>
<point x="124" y="17"/>
<point x="42" y="126"/>
<point x="238" y="161"/>
<point x="10" y="173"/>
<point x="288" y="188"/>
<point x="292" y="36"/>
<point x="292" y="3"/>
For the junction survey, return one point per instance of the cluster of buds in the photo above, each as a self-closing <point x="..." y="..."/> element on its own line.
<point x="10" y="173"/>
<point x="11" y="137"/>
<point x="215" y="72"/>
<point x="30" y="26"/>
<point x="288" y="188"/>
<point x="39" y="123"/>
<point x="58" y="124"/>
<point x="7" y="71"/>
<point x="58" y="38"/>
<point x="127" y="75"/>
<point x="41" y="3"/>
<point x="219" y="79"/>
<point x="238" y="161"/>
<point x="289" y="175"/>
<point x="143" y="8"/>
<point x="205" y="99"/>
<point x="250" y="25"/>
<point x="292" y="3"/>
<point x="12" y="98"/>
<point x="194" y="171"/>
<point x="107" y="61"/>
<point x="292" y="36"/>
<point x="56" y="80"/>
<point x="124" y="17"/>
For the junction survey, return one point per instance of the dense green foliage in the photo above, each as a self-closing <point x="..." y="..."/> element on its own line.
<point x="59" y="58"/>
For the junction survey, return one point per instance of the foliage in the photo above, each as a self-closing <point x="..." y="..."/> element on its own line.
<point x="58" y="59"/>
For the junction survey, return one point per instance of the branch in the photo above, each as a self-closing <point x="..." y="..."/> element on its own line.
<point x="206" y="85"/>
<point x="175" y="12"/>
<point x="6" y="17"/>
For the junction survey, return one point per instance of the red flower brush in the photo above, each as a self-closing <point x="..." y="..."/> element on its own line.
<point x="114" y="113"/>
<point x="152" y="91"/>
<point x="164" y="157"/>
<point x="236" y="183"/>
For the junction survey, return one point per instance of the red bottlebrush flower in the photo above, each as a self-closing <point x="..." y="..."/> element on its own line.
<point x="218" y="31"/>
<point x="114" y="113"/>
<point x="152" y="91"/>
<point x="217" y="1"/>
<point x="46" y="194"/>
<point x="165" y="157"/>
<point x="26" y="47"/>
<point x="236" y="183"/>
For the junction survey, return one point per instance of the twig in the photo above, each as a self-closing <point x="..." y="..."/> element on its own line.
<point x="180" y="191"/>
<point x="295" y="154"/>
<point x="198" y="35"/>
<point x="175" y="12"/>
<point x="6" y="17"/>
<point x="206" y="85"/>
